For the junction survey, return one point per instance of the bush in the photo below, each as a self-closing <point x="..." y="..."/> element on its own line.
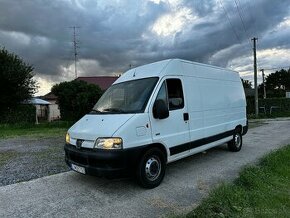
<point x="19" y="114"/>
<point x="282" y="103"/>
<point x="76" y="98"/>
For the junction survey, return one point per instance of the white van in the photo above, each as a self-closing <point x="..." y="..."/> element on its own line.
<point x="156" y="114"/>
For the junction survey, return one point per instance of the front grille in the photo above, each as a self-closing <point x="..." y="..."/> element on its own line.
<point x="103" y="163"/>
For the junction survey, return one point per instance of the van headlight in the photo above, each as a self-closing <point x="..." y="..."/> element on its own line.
<point x="109" y="143"/>
<point x="67" y="138"/>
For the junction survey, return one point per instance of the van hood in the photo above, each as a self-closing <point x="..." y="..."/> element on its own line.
<point x="92" y="126"/>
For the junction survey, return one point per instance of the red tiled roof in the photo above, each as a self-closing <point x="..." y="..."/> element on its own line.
<point x="103" y="82"/>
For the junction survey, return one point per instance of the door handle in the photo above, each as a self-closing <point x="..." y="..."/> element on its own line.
<point x="185" y="116"/>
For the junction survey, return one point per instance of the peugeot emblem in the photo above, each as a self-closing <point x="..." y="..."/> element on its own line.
<point x="79" y="143"/>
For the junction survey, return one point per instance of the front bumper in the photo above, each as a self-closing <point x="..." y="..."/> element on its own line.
<point x="108" y="163"/>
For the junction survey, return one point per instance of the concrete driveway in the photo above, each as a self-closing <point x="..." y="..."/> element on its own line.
<point x="185" y="184"/>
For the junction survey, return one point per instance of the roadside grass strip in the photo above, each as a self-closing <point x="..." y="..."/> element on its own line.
<point x="41" y="130"/>
<point x="259" y="191"/>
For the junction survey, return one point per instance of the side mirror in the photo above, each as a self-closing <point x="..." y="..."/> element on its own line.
<point x="160" y="109"/>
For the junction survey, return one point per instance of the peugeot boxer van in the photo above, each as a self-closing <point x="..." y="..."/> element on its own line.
<point x="156" y="114"/>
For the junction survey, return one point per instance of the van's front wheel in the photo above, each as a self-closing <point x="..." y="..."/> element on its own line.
<point x="236" y="143"/>
<point x="151" y="169"/>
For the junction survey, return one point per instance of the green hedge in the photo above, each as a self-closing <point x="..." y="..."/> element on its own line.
<point x="282" y="103"/>
<point x="20" y="114"/>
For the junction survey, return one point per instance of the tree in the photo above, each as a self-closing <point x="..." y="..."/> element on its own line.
<point x="76" y="98"/>
<point x="277" y="83"/>
<point x="278" y="80"/>
<point x="246" y="83"/>
<point x="16" y="80"/>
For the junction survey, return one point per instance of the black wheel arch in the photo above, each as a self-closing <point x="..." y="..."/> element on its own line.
<point x="239" y="129"/>
<point x="160" y="146"/>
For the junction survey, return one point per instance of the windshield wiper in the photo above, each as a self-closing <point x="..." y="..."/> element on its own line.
<point x="115" y="110"/>
<point x="94" y="111"/>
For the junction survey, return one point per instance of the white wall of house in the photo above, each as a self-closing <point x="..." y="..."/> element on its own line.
<point x="53" y="112"/>
<point x="41" y="110"/>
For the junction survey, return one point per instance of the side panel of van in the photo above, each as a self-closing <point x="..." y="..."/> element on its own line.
<point x="193" y="97"/>
<point x="216" y="105"/>
<point x="237" y="109"/>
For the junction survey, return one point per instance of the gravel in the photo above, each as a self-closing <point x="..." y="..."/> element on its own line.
<point x="27" y="158"/>
<point x="186" y="183"/>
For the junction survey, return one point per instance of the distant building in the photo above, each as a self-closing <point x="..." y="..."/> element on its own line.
<point x="42" y="108"/>
<point x="53" y="109"/>
<point x="104" y="82"/>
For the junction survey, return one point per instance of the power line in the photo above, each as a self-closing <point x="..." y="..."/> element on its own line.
<point x="242" y="9"/>
<point x="241" y="18"/>
<point x="250" y="11"/>
<point x="240" y="15"/>
<point x="226" y="13"/>
<point x="243" y="15"/>
<point x="252" y="19"/>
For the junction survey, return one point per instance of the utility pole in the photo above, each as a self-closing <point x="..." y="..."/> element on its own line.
<point x="264" y="87"/>
<point x="75" y="44"/>
<point x="255" y="78"/>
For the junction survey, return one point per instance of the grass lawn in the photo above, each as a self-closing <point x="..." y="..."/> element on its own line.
<point x="57" y="128"/>
<point x="260" y="191"/>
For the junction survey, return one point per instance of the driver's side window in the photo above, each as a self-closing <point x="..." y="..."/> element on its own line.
<point x="171" y="93"/>
<point x="175" y="94"/>
<point x="162" y="94"/>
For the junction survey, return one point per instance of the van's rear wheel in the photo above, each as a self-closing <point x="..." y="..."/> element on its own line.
<point x="151" y="169"/>
<point x="236" y="143"/>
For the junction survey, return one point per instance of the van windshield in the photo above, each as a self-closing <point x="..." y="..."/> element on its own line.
<point x="126" y="97"/>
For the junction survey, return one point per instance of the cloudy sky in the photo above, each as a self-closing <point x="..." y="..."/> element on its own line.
<point x="116" y="33"/>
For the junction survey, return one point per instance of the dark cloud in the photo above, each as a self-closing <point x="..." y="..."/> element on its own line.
<point x="114" y="34"/>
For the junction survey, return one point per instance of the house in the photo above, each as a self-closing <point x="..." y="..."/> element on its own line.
<point x="53" y="109"/>
<point x="104" y="82"/>
<point x="41" y="108"/>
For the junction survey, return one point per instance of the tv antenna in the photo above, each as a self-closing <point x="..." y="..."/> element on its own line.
<point x="75" y="45"/>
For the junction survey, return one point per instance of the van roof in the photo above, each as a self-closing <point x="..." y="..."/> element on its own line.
<point x="177" y="67"/>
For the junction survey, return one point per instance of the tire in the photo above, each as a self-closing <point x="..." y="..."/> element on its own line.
<point x="151" y="168"/>
<point x="236" y="143"/>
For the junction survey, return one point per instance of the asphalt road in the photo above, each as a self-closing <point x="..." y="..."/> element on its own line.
<point x="185" y="184"/>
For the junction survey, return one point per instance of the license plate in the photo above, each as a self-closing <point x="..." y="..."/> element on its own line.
<point x="78" y="169"/>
